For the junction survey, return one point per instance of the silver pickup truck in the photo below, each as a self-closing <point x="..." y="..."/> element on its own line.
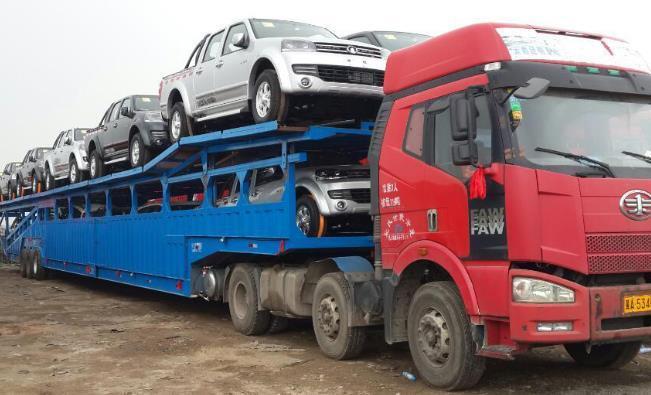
<point x="272" y="70"/>
<point x="67" y="159"/>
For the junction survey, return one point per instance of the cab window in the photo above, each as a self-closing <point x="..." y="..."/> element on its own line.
<point x="229" y="47"/>
<point x="214" y="47"/>
<point x="115" y="111"/>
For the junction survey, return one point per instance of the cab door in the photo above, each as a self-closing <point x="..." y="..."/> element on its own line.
<point x="232" y="80"/>
<point x="57" y="155"/>
<point x="205" y="71"/>
<point x="107" y="137"/>
<point x="121" y="131"/>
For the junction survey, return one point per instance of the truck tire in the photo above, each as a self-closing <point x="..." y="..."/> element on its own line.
<point x="95" y="165"/>
<point x="278" y="324"/>
<point x="74" y="174"/>
<point x="35" y="182"/>
<point x="269" y="103"/>
<point x="139" y="154"/>
<point x="607" y="356"/>
<point x="308" y="218"/>
<point x="178" y="123"/>
<point x="49" y="179"/>
<point x="331" y="318"/>
<point x="28" y="264"/>
<point x="38" y="271"/>
<point x="243" y="302"/>
<point x="440" y="338"/>
<point x="22" y="261"/>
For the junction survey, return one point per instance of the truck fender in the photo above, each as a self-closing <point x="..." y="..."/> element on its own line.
<point x="278" y="63"/>
<point x="95" y="141"/>
<point x="437" y="254"/>
<point x="181" y="89"/>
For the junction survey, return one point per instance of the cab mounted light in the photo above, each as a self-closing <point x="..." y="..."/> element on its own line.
<point x="493" y="66"/>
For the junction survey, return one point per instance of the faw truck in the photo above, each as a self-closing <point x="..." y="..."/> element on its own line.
<point x="510" y="176"/>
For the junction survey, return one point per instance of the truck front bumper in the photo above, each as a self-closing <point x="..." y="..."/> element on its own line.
<point x="596" y="315"/>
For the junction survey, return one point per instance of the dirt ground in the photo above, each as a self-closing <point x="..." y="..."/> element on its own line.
<point x="76" y="335"/>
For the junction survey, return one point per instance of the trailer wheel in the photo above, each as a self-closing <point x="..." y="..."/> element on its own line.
<point x="139" y="154"/>
<point x="96" y="165"/>
<point x="243" y="302"/>
<point x="308" y="218"/>
<point x="440" y="338"/>
<point x="268" y="102"/>
<point x="609" y="356"/>
<point x="29" y="268"/>
<point x="331" y="318"/>
<point x="278" y="324"/>
<point x="178" y="123"/>
<point x="23" y="263"/>
<point x="49" y="180"/>
<point x="38" y="271"/>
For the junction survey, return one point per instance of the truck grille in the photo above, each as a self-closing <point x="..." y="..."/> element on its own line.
<point x="349" y="50"/>
<point x="618" y="253"/>
<point x="343" y="74"/>
<point x="159" y="134"/>
<point x="360" y="195"/>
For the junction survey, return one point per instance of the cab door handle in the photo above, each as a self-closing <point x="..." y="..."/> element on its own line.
<point x="219" y="64"/>
<point x="432" y="220"/>
<point x="199" y="71"/>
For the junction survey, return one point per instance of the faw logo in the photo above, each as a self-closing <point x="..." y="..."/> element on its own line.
<point x="636" y="205"/>
<point x="487" y="221"/>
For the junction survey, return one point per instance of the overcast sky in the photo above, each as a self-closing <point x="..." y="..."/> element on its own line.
<point x="63" y="62"/>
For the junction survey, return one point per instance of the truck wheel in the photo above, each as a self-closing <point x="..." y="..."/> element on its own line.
<point x="73" y="172"/>
<point x="268" y="102"/>
<point x="38" y="271"/>
<point x="440" y="338"/>
<point x="96" y="165"/>
<point x="610" y="356"/>
<point x="23" y="263"/>
<point x="278" y="324"/>
<point x="139" y="154"/>
<point x="331" y="318"/>
<point x="35" y="182"/>
<point x="243" y="302"/>
<point x="308" y="218"/>
<point x="178" y="123"/>
<point x="49" y="180"/>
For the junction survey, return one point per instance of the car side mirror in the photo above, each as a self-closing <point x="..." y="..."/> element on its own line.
<point x="534" y="88"/>
<point x="124" y="111"/>
<point x="32" y="159"/>
<point x="68" y="140"/>
<point x="240" y="40"/>
<point x="463" y="122"/>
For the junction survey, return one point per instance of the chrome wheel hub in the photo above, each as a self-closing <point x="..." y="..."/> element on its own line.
<point x="175" y="128"/>
<point x="93" y="166"/>
<point x="47" y="181"/>
<point x="34" y="184"/>
<point x="135" y="153"/>
<point x="434" y="337"/>
<point x="263" y="99"/>
<point x="73" y="173"/>
<point x="328" y="317"/>
<point x="303" y="219"/>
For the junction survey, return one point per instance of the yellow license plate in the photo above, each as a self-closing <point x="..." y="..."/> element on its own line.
<point x="637" y="304"/>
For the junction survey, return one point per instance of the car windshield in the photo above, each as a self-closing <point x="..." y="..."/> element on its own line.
<point x="146" y="103"/>
<point x="397" y="40"/>
<point x="265" y="28"/>
<point x="610" y="128"/>
<point x="80" y="133"/>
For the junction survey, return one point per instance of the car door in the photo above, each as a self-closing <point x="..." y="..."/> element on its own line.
<point x="232" y="80"/>
<point x="57" y="162"/>
<point x="205" y="71"/>
<point x="107" y="137"/>
<point x="121" y="131"/>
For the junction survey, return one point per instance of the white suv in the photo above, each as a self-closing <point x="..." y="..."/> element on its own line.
<point x="273" y="70"/>
<point x="67" y="160"/>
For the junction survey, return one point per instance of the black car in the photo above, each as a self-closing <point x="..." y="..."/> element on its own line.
<point x="392" y="41"/>
<point x="131" y="130"/>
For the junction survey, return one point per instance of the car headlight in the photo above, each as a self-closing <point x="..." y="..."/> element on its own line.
<point x="330" y="174"/>
<point x="153" y="117"/>
<point x="297" y="45"/>
<point x="529" y="290"/>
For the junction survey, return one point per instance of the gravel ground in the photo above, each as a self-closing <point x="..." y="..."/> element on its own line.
<point x="76" y="335"/>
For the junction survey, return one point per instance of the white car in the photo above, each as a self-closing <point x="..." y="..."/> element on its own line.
<point x="67" y="161"/>
<point x="273" y="70"/>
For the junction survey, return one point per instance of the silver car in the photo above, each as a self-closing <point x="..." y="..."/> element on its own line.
<point x="272" y="70"/>
<point x="67" y="161"/>
<point x="29" y="176"/>
<point x="6" y="180"/>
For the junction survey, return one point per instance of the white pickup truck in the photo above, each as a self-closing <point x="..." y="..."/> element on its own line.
<point x="272" y="70"/>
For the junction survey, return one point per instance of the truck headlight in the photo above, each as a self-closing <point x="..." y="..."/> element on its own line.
<point x="153" y="117"/>
<point x="529" y="290"/>
<point x="297" y="45"/>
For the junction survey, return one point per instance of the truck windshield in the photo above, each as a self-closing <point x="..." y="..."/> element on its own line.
<point x="397" y="40"/>
<point x="146" y="103"/>
<point x="609" y="128"/>
<point x="266" y="28"/>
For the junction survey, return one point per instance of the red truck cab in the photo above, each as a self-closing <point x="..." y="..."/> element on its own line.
<point x="511" y="176"/>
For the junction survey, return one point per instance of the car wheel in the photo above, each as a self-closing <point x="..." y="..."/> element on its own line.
<point x="96" y="165"/>
<point x="243" y="302"/>
<point x="139" y="154"/>
<point x="268" y="100"/>
<point x="49" y="180"/>
<point x="308" y="218"/>
<point x="35" y="183"/>
<point x="607" y="356"/>
<point x="178" y="123"/>
<point x="73" y="172"/>
<point x="331" y="318"/>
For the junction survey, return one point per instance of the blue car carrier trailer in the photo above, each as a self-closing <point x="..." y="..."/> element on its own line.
<point x="132" y="228"/>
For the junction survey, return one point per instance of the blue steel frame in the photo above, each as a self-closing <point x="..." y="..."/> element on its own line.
<point x="157" y="250"/>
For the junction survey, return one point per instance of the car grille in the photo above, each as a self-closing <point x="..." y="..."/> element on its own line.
<point x="349" y="50"/>
<point x="359" y="195"/>
<point x="159" y="134"/>
<point x="618" y="253"/>
<point x="342" y="74"/>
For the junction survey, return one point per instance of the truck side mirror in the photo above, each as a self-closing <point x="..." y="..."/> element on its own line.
<point x="124" y="111"/>
<point x="463" y="122"/>
<point x="534" y="88"/>
<point x="240" y="40"/>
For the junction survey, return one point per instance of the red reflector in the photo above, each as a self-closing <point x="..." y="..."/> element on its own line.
<point x="179" y="284"/>
<point x="282" y="246"/>
<point x="88" y="269"/>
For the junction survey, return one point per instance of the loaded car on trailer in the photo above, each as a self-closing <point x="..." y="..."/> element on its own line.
<point x="30" y="175"/>
<point x="273" y="70"/>
<point x="6" y="180"/>
<point x="67" y="160"/>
